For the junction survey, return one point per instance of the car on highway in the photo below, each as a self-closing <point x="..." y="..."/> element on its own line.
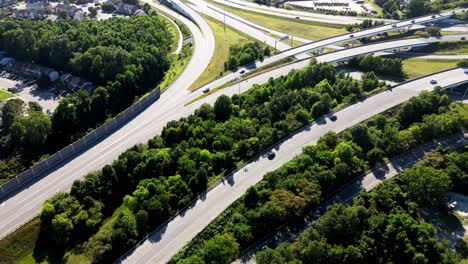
<point x="433" y="81"/>
<point x="298" y="18"/>
<point x="207" y="89"/>
<point x="242" y="72"/>
<point x="462" y="38"/>
<point x="466" y="70"/>
<point x="393" y="25"/>
<point x="271" y="155"/>
<point x="413" y="21"/>
<point x="351" y="36"/>
<point x="333" y="118"/>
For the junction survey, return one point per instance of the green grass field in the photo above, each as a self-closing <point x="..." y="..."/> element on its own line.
<point x="223" y="40"/>
<point x="306" y="29"/>
<point x="4" y="95"/>
<point x="415" y="67"/>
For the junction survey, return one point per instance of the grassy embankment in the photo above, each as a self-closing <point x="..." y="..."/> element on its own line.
<point x="300" y="28"/>
<point x="416" y="67"/>
<point x="223" y="40"/>
<point x="5" y="95"/>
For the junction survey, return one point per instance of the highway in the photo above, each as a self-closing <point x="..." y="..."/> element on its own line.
<point x="292" y="14"/>
<point x="27" y="203"/>
<point x="339" y="55"/>
<point x="367" y="182"/>
<point x="327" y="42"/>
<point x="166" y="242"/>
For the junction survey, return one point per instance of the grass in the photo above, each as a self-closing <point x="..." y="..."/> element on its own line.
<point x="5" y="95"/>
<point x="223" y="40"/>
<point x="416" y="67"/>
<point x="20" y="244"/>
<point x="245" y="76"/>
<point x="174" y="32"/>
<point x="463" y="110"/>
<point x="306" y="29"/>
<point x="178" y="64"/>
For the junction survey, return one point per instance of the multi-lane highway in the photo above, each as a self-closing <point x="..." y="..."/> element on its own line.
<point x="163" y="244"/>
<point x="26" y="204"/>
<point x="294" y="14"/>
<point x="367" y="182"/>
<point x="329" y="41"/>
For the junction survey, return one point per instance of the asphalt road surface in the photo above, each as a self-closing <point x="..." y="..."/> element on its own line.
<point x="27" y="203"/>
<point x="328" y="42"/>
<point x="166" y="242"/>
<point x="293" y="14"/>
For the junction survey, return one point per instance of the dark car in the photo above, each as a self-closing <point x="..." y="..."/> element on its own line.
<point x="271" y="155"/>
<point x="206" y="90"/>
<point x="333" y="118"/>
<point x="351" y="36"/>
<point x="242" y="72"/>
<point x="462" y="38"/>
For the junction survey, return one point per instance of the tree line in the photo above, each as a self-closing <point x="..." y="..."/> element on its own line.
<point x="124" y="57"/>
<point x="150" y="182"/>
<point x="297" y="187"/>
<point x="377" y="64"/>
<point x="243" y="54"/>
<point x="385" y="225"/>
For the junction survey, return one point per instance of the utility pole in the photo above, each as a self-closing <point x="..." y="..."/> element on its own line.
<point x="292" y="40"/>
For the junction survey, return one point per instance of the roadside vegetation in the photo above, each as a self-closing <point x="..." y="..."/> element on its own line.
<point x="5" y="95"/>
<point x="452" y="47"/>
<point x="108" y="211"/>
<point x="240" y="55"/>
<point x="380" y="65"/>
<point x="225" y="37"/>
<point x="286" y="194"/>
<point x="395" y="10"/>
<point x="122" y="58"/>
<point x="386" y="224"/>
<point x="296" y="27"/>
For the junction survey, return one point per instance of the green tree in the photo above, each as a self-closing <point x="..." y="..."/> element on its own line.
<point x="221" y="249"/>
<point x="223" y="108"/>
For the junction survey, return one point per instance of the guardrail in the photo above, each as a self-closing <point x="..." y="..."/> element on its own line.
<point x="69" y="151"/>
<point x="263" y="152"/>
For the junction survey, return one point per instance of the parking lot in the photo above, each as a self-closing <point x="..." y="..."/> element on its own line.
<point x="26" y="89"/>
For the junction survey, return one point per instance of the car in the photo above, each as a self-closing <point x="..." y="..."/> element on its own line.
<point x="433" y="16"/>
<point x="462" y="38"/>
<point x="351" y="36"/>
<point x="265" y="247"/>
<point x="466" y="70"/>
<point x="333" y="118"/>
<point x="242" y="72"/>
<point x="207" y="89"/>
<point x="298" y="18"/>
<point x="393" y="25"/>
<point x="433" y="81"/>
<point x="453" y="12"/>
<point x="413" y="21"/>
<point x="271" y="155"/>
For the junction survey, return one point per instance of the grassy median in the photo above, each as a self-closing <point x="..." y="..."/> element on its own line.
<point x="301" y="28"/>
<point x="223" y="40"/>
<point x="416" y="67"/>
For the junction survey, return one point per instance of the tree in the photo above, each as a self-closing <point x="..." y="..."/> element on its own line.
<point x="12" y="111"/>
<point x="426" y="185"/>
<point x="221" y="249"/>
<point x="92" y="11"/>
<point x="418" y="8"/>
<point x="223" y="108"/>
<point x="107" y="7"/>
<point x="433" y="31"/>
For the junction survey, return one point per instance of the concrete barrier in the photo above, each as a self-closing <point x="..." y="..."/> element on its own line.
<point x="69" y="151"/>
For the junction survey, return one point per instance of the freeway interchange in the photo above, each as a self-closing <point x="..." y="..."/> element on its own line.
<point x="26" y="203"/>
